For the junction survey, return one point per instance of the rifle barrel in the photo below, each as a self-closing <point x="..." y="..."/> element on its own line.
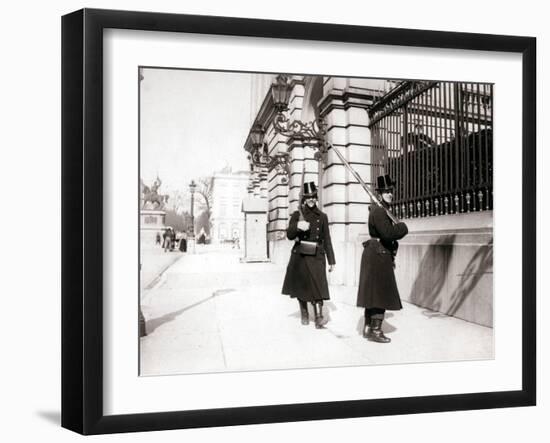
<point x="363" y="184"/>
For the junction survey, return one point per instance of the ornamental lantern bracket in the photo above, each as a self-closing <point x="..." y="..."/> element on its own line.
<point x="312" y="133"/>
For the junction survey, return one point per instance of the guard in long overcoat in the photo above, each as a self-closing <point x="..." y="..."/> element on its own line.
<point x="305" y="277"/>
<point x="377" y="286"/>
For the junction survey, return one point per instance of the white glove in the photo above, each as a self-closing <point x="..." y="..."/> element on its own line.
<point x="303" y="225"/>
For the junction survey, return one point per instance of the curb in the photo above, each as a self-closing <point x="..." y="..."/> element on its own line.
<point x="156" y="279"/>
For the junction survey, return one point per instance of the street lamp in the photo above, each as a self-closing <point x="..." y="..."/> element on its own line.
<point x="261" y="158"/>
<point x="191" y="240"/>
<point x="280" y="91"/>
<point x="257" y="136"/>
<point x="192" y="189"/>
<point x="312" y="133"/>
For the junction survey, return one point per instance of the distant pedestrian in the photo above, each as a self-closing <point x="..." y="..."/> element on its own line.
<point x="157" y="239"/>
<point x="235" y="242"/>
<point x="377" y="286"/>
<point x="172" y="239"/>
<point x="305" y="277"/>
<point x="169" y="240"/>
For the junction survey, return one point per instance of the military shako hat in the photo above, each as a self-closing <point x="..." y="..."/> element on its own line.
<point x="384" y="183"/>
<point x="310" y="190"/>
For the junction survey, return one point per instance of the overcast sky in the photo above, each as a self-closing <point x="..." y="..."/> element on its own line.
<point x="192" y="123"/>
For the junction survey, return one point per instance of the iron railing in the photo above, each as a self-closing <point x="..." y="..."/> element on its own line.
<point x="435" y="139"/>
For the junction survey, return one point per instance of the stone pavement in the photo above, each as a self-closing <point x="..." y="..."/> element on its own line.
<point x="154" y="261"/>
<point x="210" y="313"/>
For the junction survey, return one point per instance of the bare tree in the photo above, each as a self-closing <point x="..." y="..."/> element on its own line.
<point x="204" y="188"/>
<point x="179" y="221"/>
<point x="179" y="202"/>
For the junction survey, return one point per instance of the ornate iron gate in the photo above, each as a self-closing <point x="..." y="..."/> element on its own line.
<point x="435" y="139"/>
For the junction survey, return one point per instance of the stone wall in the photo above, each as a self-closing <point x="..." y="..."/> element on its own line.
<point x="446" y="264"/>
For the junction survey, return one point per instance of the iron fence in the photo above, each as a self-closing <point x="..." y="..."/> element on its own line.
<point x="435" y="139"/>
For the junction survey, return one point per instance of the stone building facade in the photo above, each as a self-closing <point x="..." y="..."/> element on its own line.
<point x="434" y="138"/>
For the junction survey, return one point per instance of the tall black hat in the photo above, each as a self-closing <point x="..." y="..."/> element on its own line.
<point x="310" y="190"/>
<point x="384" y="183"/>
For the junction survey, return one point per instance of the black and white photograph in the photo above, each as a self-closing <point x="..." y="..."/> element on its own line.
<point x="275" y="222"/>
<point x="304" y="220"/>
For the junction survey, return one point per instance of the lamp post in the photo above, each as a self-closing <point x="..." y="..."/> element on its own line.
<point x="312" y="133"/>
<point x="191" y="239"/>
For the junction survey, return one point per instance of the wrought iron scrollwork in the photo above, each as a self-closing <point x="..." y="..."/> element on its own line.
<point x="396" y="98"/>
<point x="260" y="159"/>
<point x="311" y="132"/>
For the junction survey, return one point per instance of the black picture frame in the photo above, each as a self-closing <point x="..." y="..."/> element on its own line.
<point x="82" y="218"/>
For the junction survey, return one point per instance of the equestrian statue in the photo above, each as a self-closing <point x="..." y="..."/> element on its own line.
<point x="151" y="195"/>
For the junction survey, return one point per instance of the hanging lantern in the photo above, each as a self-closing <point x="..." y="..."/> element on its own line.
<point x="257" y="136"/>
<point x="280" y="91"/>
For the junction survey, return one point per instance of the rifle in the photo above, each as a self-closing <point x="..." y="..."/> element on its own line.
<point x="301" y="195"/>
<point x="304" y="247"/>
<point x="364" y="185"/>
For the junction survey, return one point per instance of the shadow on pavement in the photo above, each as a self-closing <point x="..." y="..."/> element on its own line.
<point x="433" y="314"/>
<point x="154" y="323"/>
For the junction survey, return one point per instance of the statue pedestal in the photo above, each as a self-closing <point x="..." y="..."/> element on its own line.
<point x="151" y="221"/>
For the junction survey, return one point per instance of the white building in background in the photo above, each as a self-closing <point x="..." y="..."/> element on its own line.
<point x="228" y="191"/>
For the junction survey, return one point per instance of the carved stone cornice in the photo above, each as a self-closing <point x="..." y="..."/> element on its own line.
<point x="347" y="98"/>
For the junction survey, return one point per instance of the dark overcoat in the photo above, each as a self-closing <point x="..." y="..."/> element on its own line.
<point x="377" y="286"/>
<point x="306" y="277"/>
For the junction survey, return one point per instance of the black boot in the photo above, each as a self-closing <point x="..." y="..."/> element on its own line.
<point x="366" y="328"/>
<point x="375" y="332"/>
<point x="320" y="321"/>
<point x="303" y="312"/>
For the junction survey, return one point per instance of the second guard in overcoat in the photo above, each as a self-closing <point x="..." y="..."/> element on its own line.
<point x="305" y="277"/>
<point x="377" y="290"/>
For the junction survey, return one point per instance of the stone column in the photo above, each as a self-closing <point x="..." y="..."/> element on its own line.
<point x="344" y="200"/>
<point x="302" y="157"/>
<point x="284" y="197"/>
<point x="277" y="189"/>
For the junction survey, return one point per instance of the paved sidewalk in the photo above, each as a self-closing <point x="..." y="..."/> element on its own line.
<point x="154" y="261"/>
<point x="210" y="313"/>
